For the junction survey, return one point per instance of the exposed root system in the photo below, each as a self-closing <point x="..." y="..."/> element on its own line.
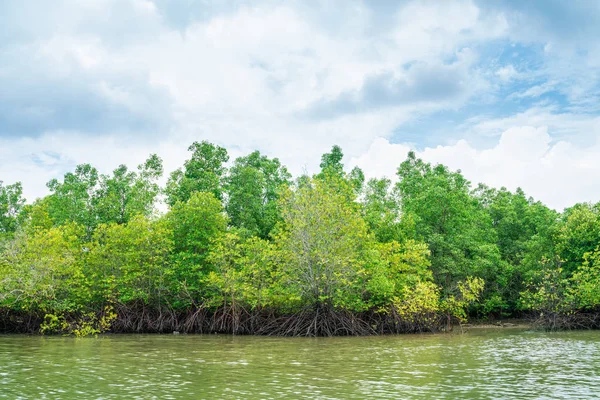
<point x="311" y="322"/>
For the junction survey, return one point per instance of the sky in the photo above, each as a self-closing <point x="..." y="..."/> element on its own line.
<point x="506" y="91"/>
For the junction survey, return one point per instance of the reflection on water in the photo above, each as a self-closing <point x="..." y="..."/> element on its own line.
<point x="482" y="364"/>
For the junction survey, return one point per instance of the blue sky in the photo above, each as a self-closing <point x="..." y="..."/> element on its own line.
<point x="506" y="91"/>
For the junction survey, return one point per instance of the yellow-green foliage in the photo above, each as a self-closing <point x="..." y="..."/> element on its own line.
<point x="244" y="272"/>
<point x="130" y="262"/>
<point x="42" y="271"/>
<point x="84" y="325"/>
<point x="54" y="324"/>
<point x="324" y="244"/>
<point x="419" y="304"/>
<point x="584" y="286"/>
<point x="423" y="303"/>
<point x="394" y="268"/>
<point x="467" y="293"/>
<point x="249" y="240"/>
<point x="92" y="324"/>
<point x="550" y="291"/>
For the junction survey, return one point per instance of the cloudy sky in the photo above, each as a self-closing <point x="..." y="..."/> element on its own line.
<point x="506" y="91"/>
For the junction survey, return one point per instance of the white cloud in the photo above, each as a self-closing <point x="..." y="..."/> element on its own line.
<point x="242" y="78"/>
<point x="559" y="174"/>
<point x="536" y="91"/>
<point x="238" y="79"/>
<point x="580" y="128"/>
<point x="507" y="73"/>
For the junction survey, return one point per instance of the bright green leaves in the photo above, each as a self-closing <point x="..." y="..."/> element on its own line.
<point x="11" y="205"/>
<point x="43" y="271"/>
<point x="585" y="282"/>
<point x="246" y="242"/>
<point x="203" y="172"/>
<point x="450" y="220"/>
<point x="126" y="194"/>
<point x="72" y="200"/>
<point x="195" y="225"/>
<point x="381" y="210"/>
<point x="253" y="188"/>
<point x="323" y="240"/>
<point x="523" y="228"/>
<point x="578" y="234"/>
<point x="90" y="199"/>
<point x="129" y="263"/>
<point x="244" y="272"/>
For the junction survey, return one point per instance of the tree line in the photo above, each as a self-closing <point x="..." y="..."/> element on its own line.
<point x="245" y="248"/>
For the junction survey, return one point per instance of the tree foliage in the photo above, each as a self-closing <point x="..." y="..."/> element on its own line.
<point x="203" y="172"/>
<point x="11" y="205"/>
<point x="246" y="249"/>
<point x="253" y="188"/>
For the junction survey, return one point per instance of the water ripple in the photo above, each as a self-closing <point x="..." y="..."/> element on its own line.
<point x="483" y="364"/>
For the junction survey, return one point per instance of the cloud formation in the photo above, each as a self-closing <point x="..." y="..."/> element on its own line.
<point x="560" y="173"/>
<point x="110" y="81"/>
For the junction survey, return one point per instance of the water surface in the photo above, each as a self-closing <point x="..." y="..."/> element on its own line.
<point x="481" y="364"/>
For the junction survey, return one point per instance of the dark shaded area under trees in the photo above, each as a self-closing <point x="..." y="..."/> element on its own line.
<point x="246" y="249"/>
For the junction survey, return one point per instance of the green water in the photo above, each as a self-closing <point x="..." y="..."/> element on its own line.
<point x="481" y="364"/>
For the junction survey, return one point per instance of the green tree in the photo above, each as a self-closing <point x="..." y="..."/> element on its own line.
<point x="323" y="239"/>
<point x="130" y="263"/>
<point x="42" y="272"/>
<point x="356" y="177"/>
<point x="516" y="220"/>
<point x="451" y="221"/>
<point x="381" y="210"/>
<point x="203" y="172"/>
<point x="395" y="269"/>
<point x="578" y="233"/>
<point x="585" y="282"/>
<point x="196" y="224"/>
<point x="524" y="236"/>
<point x="128" y="193"/>
<point x="244" y="272"/>
<point x="11" y="205"/>
<point x="253" y="189"/>
<point x="73" y="199"/>
<point x="331" y="163"/>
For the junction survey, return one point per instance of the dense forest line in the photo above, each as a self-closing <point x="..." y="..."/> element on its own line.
<point x="244" y="248"/>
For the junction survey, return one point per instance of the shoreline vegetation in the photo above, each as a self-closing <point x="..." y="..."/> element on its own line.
<point x="244" y="248"/>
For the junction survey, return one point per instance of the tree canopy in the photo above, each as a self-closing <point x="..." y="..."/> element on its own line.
<point x="245" y="248"/>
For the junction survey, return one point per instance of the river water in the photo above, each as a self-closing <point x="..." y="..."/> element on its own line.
<point x="481" y="364"/>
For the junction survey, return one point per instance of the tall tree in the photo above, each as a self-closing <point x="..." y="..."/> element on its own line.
<point x="381" y="210"/>
<point x="253" y="189"/>
<point x="578" y="233"/>
<point x="516" y="220"/>
<point x="128" y="193"/>
<point x="203" y="172"/>
<point x="324" y="239"/>
<point x="73" y="199"/>
<point x="42" y="271"/>
<point x="331" y="165"/>
<point x="524" y="235"/>
<point x="332" y="162"/>
<point x="129" y="262"/>
<point x="196" y="225"/>
<point x="454" y="224"/>
<point x="11" y="205"/>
